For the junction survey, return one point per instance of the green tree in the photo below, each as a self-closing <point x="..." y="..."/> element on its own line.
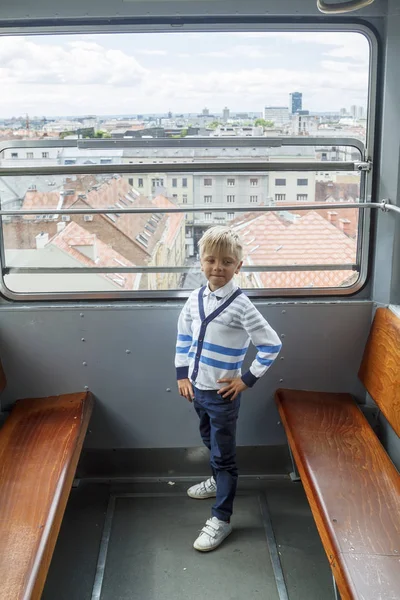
<point x="263" y="123"/>
<point x="102" y="135"/>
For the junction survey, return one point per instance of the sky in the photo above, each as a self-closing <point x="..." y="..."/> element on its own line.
<point x="146" y="73"/>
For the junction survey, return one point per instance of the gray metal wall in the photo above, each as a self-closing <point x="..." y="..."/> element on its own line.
<point x="50" y="9"/>
<point x="126" y="360"/>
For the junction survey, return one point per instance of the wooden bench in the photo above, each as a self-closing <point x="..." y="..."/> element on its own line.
<point x="351" y="484"/>
<point x="40" y="444"/>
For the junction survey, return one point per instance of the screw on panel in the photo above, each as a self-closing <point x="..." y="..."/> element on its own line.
<point x="83" y="340"/>
<point x="168" y="390"/>
<point x="282" y="358"/>
<point x="281" y="381"/>
<point x="283" y="312"/>
<point x="81" y="315"/>
<point x="84" y="364"/>
<point x="127" y="351"/>
<point x="86" y="387"/>
<point x="282" y="335"/>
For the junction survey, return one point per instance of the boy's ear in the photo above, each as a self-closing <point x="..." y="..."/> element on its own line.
<point x="239" y="267"/>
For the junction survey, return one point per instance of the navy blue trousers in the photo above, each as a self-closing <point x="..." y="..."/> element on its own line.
<point x="218" y="417"/>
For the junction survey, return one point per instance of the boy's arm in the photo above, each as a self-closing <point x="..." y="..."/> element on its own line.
<point x="183" y="342"/>
<point x="266" y="341"/>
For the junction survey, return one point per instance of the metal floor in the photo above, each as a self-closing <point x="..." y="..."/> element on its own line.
<point x="134" y="542"/>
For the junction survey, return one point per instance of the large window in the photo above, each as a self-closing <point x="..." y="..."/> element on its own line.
<point x="271" y="155"/>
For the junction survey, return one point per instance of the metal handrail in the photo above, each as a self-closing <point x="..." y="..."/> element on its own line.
<point x="384" y="205"/>
<point x="184" y="167"/>
<point x="10" y="269"/>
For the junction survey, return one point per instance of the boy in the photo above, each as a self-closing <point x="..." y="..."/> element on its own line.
<point x="214" y="331"/>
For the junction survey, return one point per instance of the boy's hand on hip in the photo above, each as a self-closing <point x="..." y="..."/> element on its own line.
<point x="233" y="389"/>
<point x="186" y="389"/>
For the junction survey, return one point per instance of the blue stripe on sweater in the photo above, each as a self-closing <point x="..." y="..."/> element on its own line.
<point x="182" y="349"/>
<point x="269" y="349"/>
<point x="264" y="361"/>
<point x="184" y="338"/>
<point x="227" y="366"/>
<point x="223" y="349"/>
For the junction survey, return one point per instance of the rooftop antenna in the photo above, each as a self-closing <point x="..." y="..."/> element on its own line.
<point x="342" y="7"/>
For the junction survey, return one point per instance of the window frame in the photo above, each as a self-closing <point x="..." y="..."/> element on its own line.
<point x="240" y="24"/>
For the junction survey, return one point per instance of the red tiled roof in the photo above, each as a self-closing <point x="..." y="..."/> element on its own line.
<point x="117" y="190"/>
<point x="310" y="239"/>
<point x="34" y="200"/>
<point x="73" y="235"/>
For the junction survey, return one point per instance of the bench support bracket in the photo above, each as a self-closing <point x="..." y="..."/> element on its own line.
<point x="294" y="475"/>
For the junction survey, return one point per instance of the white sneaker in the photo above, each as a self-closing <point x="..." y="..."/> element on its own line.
<point x="205" y="489"/>
<point x="213" y="533"/>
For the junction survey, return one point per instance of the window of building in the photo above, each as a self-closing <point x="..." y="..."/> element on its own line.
<point x="174" y="183"/>
<point x="302" y="182"/>
<point x="230" y="182"/>
<point x="184" y="182"/>
<point x="324" y="156"/>
<point x="207" y="182"/>
<point x="14" y="154"/>
<point x="230" y="199"/>
<point x="302" y="197"/>
<point x="253" y="182"/>
<point x="140" y="182"/>
<point x="106" y="161"/>
<point x="280" y="197"/>
<point x="157" y="183"/>
<point x="230" y="216"/>
<point x="253" y="199"/>
<point x="175" y="196"/>
<point x="29" y="155"/>
<point x="45" y="154"/>
<point x="207" y="216"/>
<point x="130" y="180"/>
<point x="184" y="198"/>
<point x="207" y="199"/>
<point x="280" y="182"/>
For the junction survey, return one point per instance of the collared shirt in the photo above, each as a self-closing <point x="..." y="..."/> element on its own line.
<point x="212" y="300"/>
<point x="214" y="333"/>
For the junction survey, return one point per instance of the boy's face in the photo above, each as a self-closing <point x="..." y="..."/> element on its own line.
<point x="219" y="270"/>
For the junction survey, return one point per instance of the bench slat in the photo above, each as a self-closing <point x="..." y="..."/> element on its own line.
<point x="40" y="444"/>
<point x="380" y="367"/>
<point x="379" y="574"/>
<point x="352" y="486"/>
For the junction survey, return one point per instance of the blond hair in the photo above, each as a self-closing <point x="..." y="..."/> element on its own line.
<point x="221" y="240"/>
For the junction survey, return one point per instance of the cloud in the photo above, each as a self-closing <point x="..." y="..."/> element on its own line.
<point x="84" y="77"/>
<point x="243" y="51"/>
<point x="77" y="63"/>
<point x="153" y="52"/>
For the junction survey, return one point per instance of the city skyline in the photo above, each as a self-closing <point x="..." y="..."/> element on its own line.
<point x="116" y="75"/>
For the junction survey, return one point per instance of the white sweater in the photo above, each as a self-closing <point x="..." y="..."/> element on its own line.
<point x="214" y="333"/>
